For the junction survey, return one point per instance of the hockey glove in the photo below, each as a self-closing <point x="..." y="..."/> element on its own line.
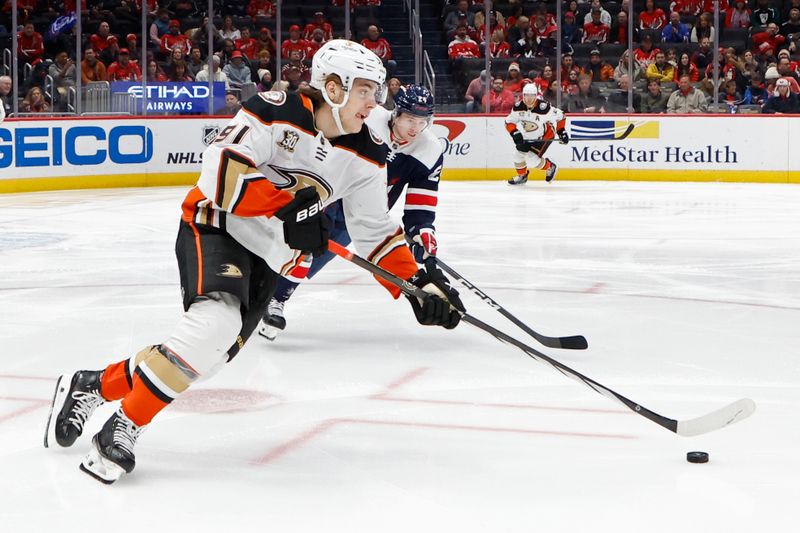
<point x="519" y="142"/>
<point x="305" y="226"/>
<point x="564" y="136"/>
<point x="423" y="245"/>
<point x="442" y="307"/>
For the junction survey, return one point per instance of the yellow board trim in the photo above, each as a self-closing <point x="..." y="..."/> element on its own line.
<point x="634" y="174"/>
<point x="450" y="174"/>
<point x="98" y="182"/>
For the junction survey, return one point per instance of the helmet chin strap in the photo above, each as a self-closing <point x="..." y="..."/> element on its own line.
<point x="335" y="110"/>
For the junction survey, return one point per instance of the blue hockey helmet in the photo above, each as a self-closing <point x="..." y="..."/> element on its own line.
<point x="415" y="100"/>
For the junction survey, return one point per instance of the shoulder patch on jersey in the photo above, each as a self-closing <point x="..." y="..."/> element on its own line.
<point x="278" y="106"/>
<point x="289" y="140"/>
<point x="520" y="106"/>
<point x="273" y="97"/>
<point x="542" y="108"/>
<point x="365" y="144"/>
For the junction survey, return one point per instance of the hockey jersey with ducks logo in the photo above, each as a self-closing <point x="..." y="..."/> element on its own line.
<point x="269" y="151"/>
<point x="537" y="123"/>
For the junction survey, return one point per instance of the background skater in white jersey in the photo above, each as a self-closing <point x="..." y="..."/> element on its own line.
<point x="415" y="159"/>
<point x="255" y="213"/>
<point x="533" y="124"/>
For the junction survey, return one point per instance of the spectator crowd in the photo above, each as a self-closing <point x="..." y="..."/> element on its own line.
<point x="672" y="69"/>
<point x="175" y="47"/>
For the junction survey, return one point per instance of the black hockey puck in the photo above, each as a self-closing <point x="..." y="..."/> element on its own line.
<point x="697" y="457"/>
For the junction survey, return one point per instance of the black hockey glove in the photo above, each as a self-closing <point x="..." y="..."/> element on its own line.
<point x="442" y="307"/>
<point x="519" y="142"/>
<point x="564" y="136"/>
<point x="305" y="226"/>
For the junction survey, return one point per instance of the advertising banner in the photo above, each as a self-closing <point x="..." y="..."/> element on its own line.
<point x="136" y="151"/>
<point x="185" y="98"/>
<point x="681" y="148"/>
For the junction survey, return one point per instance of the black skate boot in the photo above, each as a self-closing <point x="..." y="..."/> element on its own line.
<point x="519" y="179"/>
<point x="551" y="172"/>
<point x="112" y="449"/>
<point x="273" y="322"/>
<point x="77" y="396"/>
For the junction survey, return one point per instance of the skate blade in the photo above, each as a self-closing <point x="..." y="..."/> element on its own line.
<point x="100" y="468"/>
<point x="268" y="332"/>
<point x="59" y="397"/>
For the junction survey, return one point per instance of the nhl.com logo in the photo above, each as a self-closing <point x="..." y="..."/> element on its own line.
<point x="210" y="132"/>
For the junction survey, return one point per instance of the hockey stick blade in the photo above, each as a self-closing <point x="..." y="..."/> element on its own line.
<point x="713" y="421"/>
<point x="730" y="414"/>
<point x="575" y="342"/>
<point x="625" y="133"/>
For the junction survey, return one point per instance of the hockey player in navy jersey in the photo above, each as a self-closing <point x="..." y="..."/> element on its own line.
<point x="255" y="212"/>
<point x="533" y="124"/>
<point x="415" y="160"/>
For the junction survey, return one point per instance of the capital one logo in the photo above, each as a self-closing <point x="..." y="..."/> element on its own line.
<point x="448" y="131"/>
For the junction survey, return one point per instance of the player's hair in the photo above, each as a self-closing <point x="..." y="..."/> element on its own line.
<point x="315" y="94"/>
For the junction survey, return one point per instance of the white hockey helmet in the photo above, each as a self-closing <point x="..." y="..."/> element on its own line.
<point x="530" y="89"/>
<point x="348" y="60"/>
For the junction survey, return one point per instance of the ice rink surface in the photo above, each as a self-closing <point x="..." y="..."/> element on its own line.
<point x="358" y="420"/>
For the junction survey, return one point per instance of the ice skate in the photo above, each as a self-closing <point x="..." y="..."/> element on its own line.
<point x="112" y="449"/>
<point x="76" y="397"/>
<point x="519" y="179"/>
<point x="273" y="322"/>
<point x="550" y="175"/>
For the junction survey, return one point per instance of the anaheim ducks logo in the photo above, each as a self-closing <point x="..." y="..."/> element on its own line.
<point x="294" y="179"/>
<point x="228" y="270"/>
<point x="529" y="126"/>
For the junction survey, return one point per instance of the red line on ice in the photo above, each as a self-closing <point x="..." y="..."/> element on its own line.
<point x="325" y="426"/>
<point x="414" y="374"/>
<point x="23" y="410"/>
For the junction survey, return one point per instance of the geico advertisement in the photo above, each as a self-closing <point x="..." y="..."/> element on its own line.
<point x="56" y="146"/>
<point x="639" y="142"/>
<point x="104" y="146"/>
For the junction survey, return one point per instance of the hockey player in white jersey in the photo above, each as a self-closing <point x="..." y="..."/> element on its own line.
<point x="255" y="213"/>
<point x="415" y="160"/>
<point x="533" y="124"/>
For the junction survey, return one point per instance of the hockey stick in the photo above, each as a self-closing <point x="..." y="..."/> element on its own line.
<point x="576" y="342"/>
<point x="734" y="412"/>
<point x="624" y="135"/>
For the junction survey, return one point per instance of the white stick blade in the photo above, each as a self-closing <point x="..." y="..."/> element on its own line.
<point x="730" y="414"/>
